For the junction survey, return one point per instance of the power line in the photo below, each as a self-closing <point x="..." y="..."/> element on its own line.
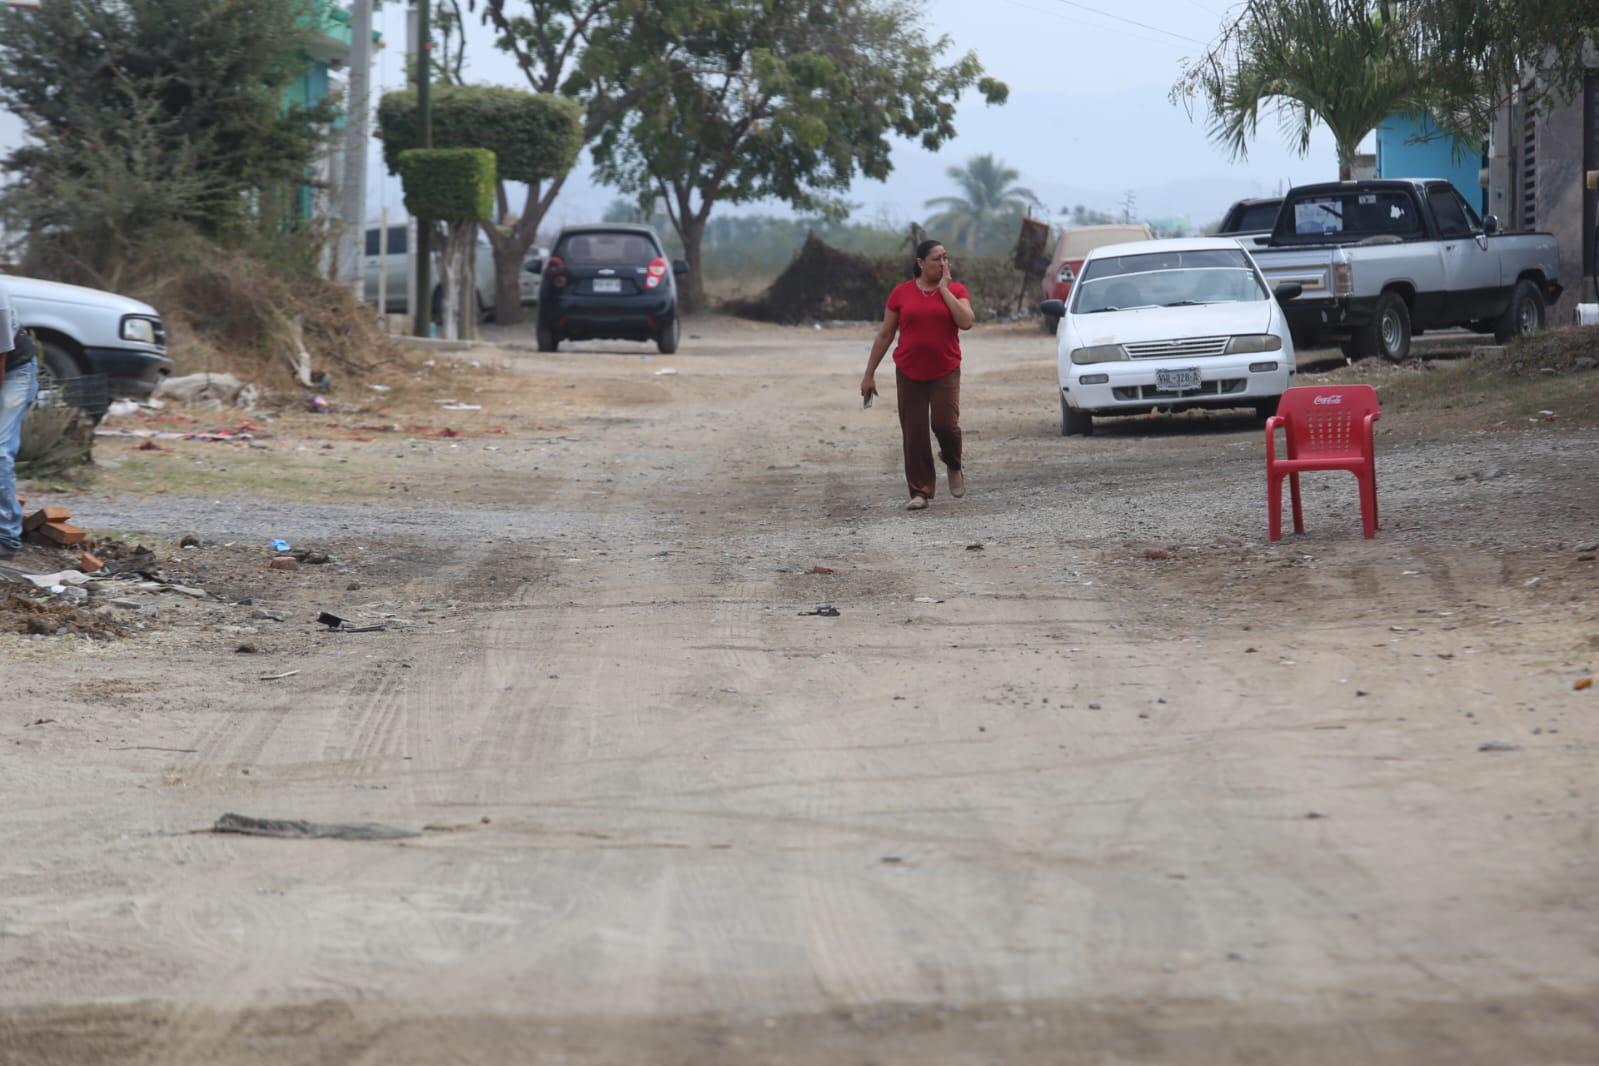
<point x="1130" y="22"/>
<point x="1077" y="21"/>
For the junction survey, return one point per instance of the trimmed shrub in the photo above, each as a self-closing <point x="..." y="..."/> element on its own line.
<point x="535" y="136"/>
<point x="448" y="184"/>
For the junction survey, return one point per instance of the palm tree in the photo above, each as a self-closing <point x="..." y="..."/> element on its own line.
<point x="991" y="198"/>
<point x="1346" y="64"/>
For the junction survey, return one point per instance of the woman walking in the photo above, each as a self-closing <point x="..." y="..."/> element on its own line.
<point x="928" y="312"/>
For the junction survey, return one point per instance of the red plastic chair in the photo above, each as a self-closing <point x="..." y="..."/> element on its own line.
<point x="1327" y="428"/>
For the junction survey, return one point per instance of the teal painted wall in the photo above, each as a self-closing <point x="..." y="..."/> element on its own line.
<point x="1409" y="146"/>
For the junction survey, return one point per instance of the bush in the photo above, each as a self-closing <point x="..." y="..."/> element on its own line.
<point x="535" y="136"/>
<point x="448" y="184"/>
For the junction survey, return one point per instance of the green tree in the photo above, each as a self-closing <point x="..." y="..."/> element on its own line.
<point x="454" y="186"/>
<point x="1479" y="52"/>
<point x="1339" y="63"/>
<point x="990" y="206"/>
<point x="567" y="48"/>
<point x="134" y="127"/>
<point x="1349" y="64"/>
<point x="744" y="100"/>
<point x="535" y="138"/>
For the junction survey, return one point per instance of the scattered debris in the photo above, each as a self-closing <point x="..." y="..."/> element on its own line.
<point x="279" y="545"/>
<point x="278" y="677"/>
<point x="974" y="547"/>
<point x="214" y="390"/>
<point x="823" y="570"/>
<point x="1156" y="554"/>
<point x="49" y="525"/>
<point x="824" y="610"/>
<point x="665" y="372"/>
<point x="335" y="623"/>
<point x="926" y="599"/>
<point x="1498" y="745"/>
<point x="283" y="562"/>
<point x="293" y="829"/>
<point x="1582" y="683"/>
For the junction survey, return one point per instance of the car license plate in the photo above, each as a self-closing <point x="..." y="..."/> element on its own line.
<point x="1177" y="380"/>
<point x="611" y="285"/>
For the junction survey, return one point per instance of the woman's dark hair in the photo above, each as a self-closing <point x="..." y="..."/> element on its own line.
<point x="923" y="250"/>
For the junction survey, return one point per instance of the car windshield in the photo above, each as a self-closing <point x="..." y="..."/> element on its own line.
<point x="606" y="249"/>
<point x="1166" y="279"/>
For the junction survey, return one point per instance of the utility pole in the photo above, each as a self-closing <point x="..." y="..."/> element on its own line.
<point x="422" y="56"/>
<point x="357" y="142"/>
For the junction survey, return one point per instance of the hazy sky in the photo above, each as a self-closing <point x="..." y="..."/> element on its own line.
<point x="1087" y="120"/>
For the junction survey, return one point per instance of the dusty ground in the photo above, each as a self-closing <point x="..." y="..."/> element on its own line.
<point x="1134" y="787"/>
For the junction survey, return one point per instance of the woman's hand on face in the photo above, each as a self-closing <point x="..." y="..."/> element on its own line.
<point x="943" y="279"/>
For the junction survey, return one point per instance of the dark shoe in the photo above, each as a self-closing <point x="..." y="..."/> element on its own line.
<point x="957" y="484"/>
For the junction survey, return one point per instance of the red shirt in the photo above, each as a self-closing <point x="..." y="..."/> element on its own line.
<point x="929" y="341"/>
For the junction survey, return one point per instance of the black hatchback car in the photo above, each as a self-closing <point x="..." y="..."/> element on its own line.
<point x="608" y="282"/>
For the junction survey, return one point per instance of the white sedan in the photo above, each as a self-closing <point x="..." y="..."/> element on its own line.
<point x="1170" y="325"/>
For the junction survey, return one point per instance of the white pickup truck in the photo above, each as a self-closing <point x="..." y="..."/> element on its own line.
<point x="1380" y="261"/>
<point x="89" y="331"/>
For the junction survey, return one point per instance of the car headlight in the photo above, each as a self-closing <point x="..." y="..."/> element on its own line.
<point x="1099" y="353"/>
<point x="1250" y="343"/>
<point x="138" y="329"/>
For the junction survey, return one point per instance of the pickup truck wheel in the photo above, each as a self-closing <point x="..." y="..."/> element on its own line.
<point x="1075" y="423"/>
<point x="1388" y="332"/>
<point x="1051" y="323"/>
<point x="546" y="337"/>
<point x="1525" y="315"/>
<point x="56" y="364"/>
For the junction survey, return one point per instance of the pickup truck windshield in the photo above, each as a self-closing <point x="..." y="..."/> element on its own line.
<point x="1166" y="279"/>
<point x="1352" y="215"/>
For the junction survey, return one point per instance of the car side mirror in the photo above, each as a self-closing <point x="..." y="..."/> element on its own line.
<point x="1490" y="225"/>
<point x="1288" y="290"/>
<point x="679" y="267"/>
<point x="1053" y="308"/>
<point x="535" y="266"/>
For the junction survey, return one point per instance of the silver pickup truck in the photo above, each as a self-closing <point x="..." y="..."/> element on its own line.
<point x="90" y="331"/>
<point x="1380" y="261"/>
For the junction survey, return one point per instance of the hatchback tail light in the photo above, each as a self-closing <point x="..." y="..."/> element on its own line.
<point x="555" y="269"/>
<point x="1065" y="277"/>
<point x="655" y="274"/>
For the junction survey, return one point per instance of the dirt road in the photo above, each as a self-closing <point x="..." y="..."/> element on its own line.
<point x="1083" y="772"/>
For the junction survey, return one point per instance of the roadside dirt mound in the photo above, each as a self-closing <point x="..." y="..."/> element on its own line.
<point x="19" y="614"/>
<point x="823" y="283"/>
<point x="1561" y="350"/>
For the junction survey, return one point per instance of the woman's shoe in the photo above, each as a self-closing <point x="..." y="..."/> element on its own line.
<point x="957" y="484"/>
<point x="918" y="503"/>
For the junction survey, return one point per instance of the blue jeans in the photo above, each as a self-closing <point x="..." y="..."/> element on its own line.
<point x="16" y="396"/>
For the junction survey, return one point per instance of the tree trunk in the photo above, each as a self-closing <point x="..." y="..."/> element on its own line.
<point x="691" y="286"/>
<point x="1346" y="162"/>
<point x="509" y="254"/>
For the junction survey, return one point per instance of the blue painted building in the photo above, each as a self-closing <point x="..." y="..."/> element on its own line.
<point x="1410" y="146"/>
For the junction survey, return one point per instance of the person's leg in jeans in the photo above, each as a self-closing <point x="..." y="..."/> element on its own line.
<point x="915" y="399"/>
<point x="945" y="400"/>
<point x="16" y="396"/>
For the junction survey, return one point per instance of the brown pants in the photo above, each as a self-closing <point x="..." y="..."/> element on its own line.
<point x="920" y="402"/>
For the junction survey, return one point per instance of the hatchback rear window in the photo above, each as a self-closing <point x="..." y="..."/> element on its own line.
<point x="607" y="249"/>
